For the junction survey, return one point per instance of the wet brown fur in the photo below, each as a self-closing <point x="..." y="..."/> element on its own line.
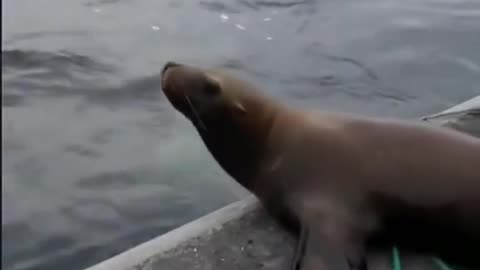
<point x="357" y="179"/>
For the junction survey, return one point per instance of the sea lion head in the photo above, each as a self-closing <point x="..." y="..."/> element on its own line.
<point x="208" y="97"/>
<point x="232" y="117"/>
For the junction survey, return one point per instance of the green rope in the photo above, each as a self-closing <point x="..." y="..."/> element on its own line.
<point x="441" y="264"/>
<point x="396" y="263"/>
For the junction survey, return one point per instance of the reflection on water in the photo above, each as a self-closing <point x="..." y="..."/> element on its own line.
<point x="96" y="161"/>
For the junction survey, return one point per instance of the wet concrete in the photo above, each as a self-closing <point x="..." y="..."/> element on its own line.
<point x="252" y="242"/>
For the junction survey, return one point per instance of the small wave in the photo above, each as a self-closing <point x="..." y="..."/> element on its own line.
<point x="119" y="179"/>
<point x="34" y="73"/>
<point x="96" y="213"/>
<point x="83" y="151"/>
<point x="27" y="36"/>
<point x="104" y="2"/>
<point x="143" y="89"/>
<point x="219" y="7"/>
<point x="366" y="86"/>
<point x="282" y="4"/>
<point x="85" y="255"/>
<point x="146" y="88"/>
<point x="21" y="59"/>
<point x="28" y="256"/>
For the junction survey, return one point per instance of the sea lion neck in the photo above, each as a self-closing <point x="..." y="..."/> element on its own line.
<point x="239" y="142"/>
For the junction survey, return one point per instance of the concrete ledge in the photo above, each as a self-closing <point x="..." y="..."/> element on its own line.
<point x="172" y="239"/>
<point x="242" y="236"/>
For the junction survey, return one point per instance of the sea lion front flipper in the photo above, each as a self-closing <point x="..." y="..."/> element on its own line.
<point x="319" y="251"/>
<point x="300" y="249"/>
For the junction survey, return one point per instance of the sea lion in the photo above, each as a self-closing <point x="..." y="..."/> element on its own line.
<point x="341" y="181"/>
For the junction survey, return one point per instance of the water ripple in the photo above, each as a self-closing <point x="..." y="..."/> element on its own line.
<point x="55" y="62"/>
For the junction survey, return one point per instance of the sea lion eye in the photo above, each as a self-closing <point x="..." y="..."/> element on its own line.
<point x="211" y="88"/>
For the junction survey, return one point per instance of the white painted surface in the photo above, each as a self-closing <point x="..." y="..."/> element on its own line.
<point x="471" y="104"/>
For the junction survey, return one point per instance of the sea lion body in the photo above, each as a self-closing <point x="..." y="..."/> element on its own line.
<point x="342" y="178"/>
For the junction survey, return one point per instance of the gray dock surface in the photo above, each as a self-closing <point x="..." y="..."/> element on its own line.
<point x="253" y="242"/>
<point x="242" y="236"/>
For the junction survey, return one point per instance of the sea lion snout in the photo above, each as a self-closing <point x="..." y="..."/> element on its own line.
<point x="179" y="79"/>
<point x="190" y="89"/>
<point x="168" y="78"/>
<point x="168" y="65"/>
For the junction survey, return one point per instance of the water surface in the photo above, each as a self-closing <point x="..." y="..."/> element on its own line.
<point x="96" y="161"/>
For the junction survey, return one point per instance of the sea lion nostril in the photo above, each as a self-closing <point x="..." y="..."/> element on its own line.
<point x="168" y="65"/>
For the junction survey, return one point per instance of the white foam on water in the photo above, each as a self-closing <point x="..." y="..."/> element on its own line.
<point x="241" y="27"/>
<point x="224" y="17"/>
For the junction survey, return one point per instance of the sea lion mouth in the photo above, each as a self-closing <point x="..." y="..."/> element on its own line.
<point x="177" y="96"/>
<point x="168" y="86"/>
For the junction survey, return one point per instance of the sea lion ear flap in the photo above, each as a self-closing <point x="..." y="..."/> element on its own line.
<point x="212" y="86"/>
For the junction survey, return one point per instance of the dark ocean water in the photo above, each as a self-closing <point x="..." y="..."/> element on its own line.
<point x="94" y="160"/>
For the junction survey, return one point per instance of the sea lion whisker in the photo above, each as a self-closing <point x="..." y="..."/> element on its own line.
<point x="197" y="115"/>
